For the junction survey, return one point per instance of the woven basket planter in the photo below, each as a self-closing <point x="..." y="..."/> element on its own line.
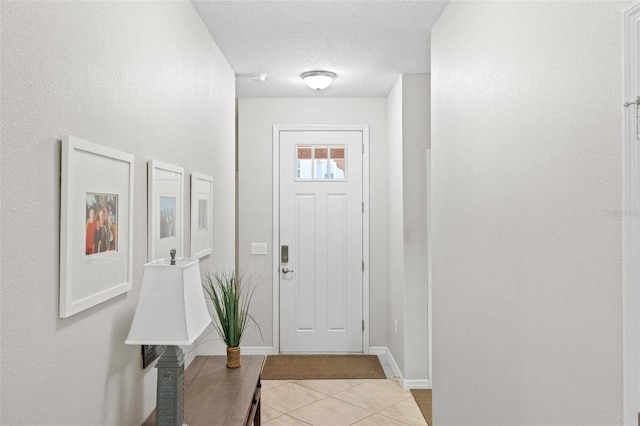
<point x="233" y="357"/>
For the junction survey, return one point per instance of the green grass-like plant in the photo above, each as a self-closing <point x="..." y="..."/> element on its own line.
<point x="231" y="296"/>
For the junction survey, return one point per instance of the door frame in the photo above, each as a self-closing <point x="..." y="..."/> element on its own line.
<point x="630" y="221"/>
<point x="275" y="249"/>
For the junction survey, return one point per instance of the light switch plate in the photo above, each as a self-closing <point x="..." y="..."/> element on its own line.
<point x="258" y="248"/>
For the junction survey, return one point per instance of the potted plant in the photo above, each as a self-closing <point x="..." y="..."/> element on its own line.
<point x="231" y="297"/>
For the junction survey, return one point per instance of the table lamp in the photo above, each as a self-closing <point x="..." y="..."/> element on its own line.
<point x="171" y="311"/>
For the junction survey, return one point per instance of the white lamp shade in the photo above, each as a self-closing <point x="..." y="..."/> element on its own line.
<point x="171" y="309"/>
<point x="318" y="80"/>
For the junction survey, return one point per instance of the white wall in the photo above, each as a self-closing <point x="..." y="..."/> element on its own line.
<point x="256" y="118"/>
<point x="141" y="77"/>
<point x="416" y="128"/>
<point x="395" y="230"/>
<point x="408" y="114"/>
<point x="526" y="115"/>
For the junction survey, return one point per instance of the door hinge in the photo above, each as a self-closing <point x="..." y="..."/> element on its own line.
<point x="362" y="325"/>
<point x="363" y="207"/>
<point x="363" y="266"/>
<point x="363" y="147"/>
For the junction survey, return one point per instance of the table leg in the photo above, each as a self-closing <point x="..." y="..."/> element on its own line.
<point x="256" y="419"/>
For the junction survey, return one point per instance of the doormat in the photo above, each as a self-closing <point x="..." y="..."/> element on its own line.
<point x="312" y="367"/>
<point x="423" y="399"/>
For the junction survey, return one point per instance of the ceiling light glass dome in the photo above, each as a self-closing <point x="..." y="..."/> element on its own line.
<point x="318" y="80"/>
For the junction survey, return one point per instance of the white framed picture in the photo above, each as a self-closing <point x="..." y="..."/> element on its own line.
<point x="201" y="215"/>
<point x="165" y="210"/>
<point x="96" y="219"/>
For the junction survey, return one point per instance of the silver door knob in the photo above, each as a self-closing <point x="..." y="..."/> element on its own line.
<point x="286" y="271"/>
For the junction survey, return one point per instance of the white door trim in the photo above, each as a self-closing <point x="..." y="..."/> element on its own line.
<point x="429" y="275"/>
<point x="630" y="221"/>
<point x="275" y="249"/>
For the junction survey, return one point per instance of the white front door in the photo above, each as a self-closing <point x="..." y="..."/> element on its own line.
<point x="321" y="244"/>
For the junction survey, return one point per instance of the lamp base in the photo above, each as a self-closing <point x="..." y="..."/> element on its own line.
<point x="170" y="392"/>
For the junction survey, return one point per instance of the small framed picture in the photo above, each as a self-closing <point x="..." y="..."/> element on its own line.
<point x="165" y="210"/>
<point x="201" y="215"/>
<point x="150" y="353"/>
<point x="95" y="225"/>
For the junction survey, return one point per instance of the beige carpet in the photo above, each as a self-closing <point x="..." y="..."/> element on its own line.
<point x="423" y="399"/>
<point x="311" y="367"/>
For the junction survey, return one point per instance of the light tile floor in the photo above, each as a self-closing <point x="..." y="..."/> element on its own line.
<point x="339" y="402"/>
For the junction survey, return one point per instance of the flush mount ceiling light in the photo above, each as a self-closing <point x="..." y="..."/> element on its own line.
<point x="318" y="80"/>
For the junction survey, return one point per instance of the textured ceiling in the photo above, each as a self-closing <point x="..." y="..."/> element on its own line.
<point x="367" y="43"/>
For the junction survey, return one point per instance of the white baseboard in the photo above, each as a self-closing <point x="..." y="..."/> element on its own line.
<point x="383" y="350"/>
<point x="416" y="384"/>
<point x="406" y="383"/>
<point x="256" y="350"/>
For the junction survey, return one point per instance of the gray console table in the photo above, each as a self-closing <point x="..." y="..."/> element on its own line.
<point x="217" y="395"/>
